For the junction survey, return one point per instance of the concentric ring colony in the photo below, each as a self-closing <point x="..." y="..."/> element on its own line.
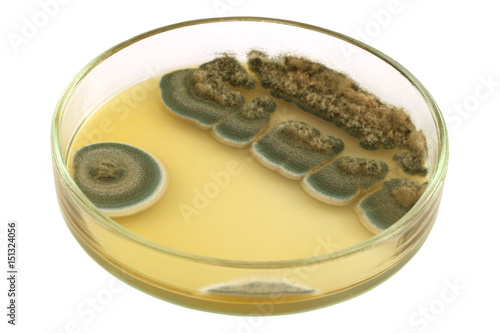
<point x="118" y="178"/>
<point x="203" y="97"/>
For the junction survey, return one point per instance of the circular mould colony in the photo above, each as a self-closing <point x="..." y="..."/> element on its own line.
<point x="118" y="178"/>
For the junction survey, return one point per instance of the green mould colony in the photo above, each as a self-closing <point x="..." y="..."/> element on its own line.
<point x="295" y="149"/>
<point x="203" y="96"/>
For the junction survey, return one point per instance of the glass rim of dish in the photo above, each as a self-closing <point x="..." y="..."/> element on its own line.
<point x="435" y="182"/>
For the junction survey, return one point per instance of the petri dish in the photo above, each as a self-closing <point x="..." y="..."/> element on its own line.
<point x="285" y="256"/>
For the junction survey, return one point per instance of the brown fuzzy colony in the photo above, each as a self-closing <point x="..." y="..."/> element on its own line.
<point x="335" y="97"/>
<point x="356" y="166"/>
<point x="106" y="170"/>
<point x="413" y="160"/>
<point x="209" y="81"/>
<point x="408" y="193"/>
<point x="258" y="108"/>
<point x="305" y="135"/>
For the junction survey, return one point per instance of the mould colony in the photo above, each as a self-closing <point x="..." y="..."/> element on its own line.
<point x="298" y="151"/>
<point x="121" y="179"/>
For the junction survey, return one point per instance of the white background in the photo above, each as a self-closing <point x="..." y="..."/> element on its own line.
<point x="450" y="46"/>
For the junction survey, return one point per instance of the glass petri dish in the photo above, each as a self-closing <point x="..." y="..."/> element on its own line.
<point x="181" y="277"/>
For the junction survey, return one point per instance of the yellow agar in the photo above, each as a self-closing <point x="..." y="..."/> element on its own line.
<point x="221" y="202"/>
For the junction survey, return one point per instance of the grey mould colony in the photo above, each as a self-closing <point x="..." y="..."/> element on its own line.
<point x="203" y="97"/>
